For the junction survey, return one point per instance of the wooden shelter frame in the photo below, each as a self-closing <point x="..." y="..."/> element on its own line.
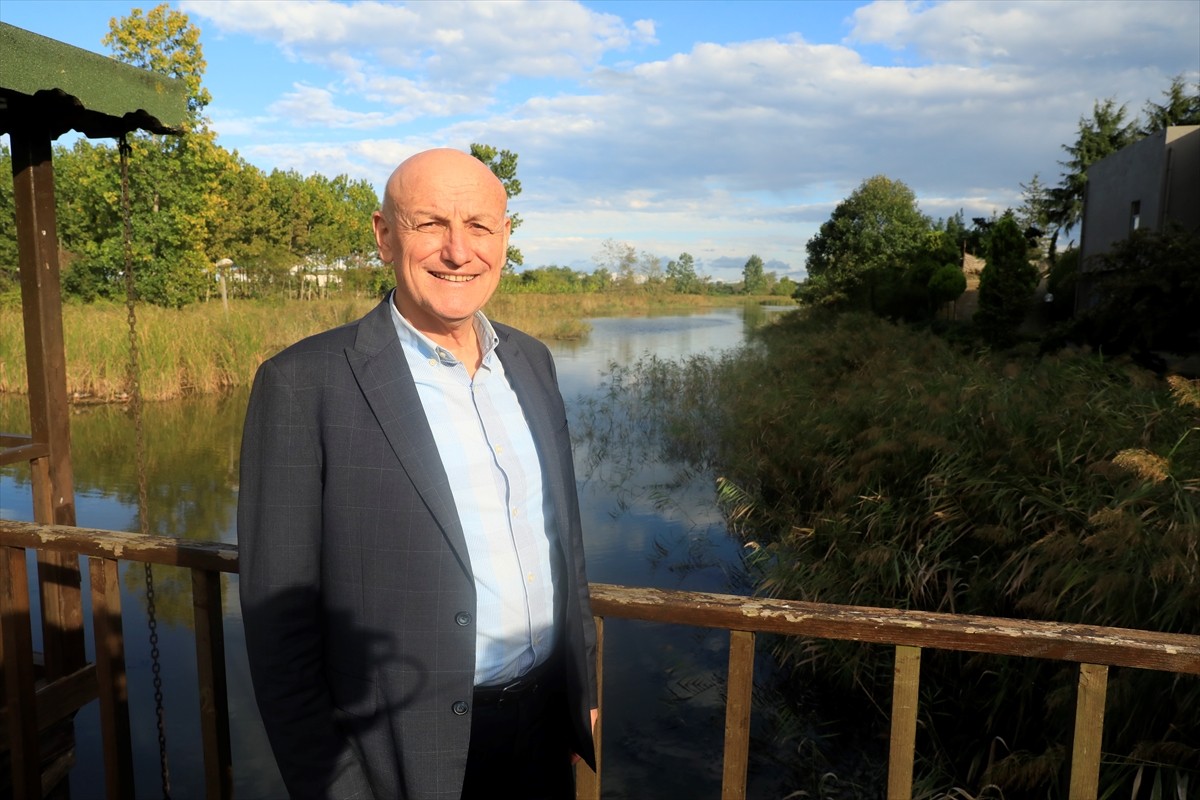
<point x="47" y="88"/>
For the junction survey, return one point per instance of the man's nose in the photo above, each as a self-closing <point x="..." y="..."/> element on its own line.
<point x="455" y="246"/>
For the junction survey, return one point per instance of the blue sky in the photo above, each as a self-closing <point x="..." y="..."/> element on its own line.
<point x="722" y="129"/>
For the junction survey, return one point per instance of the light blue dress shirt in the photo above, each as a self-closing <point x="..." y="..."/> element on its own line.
<point x="495" y="475"/>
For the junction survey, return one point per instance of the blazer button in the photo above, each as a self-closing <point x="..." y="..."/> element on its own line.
<point x="462" y="618"/>
<point x="460" y="707"/>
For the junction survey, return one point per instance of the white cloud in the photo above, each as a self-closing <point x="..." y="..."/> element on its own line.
<point x="308" y="106"/>
<point x="455" y="43"/>
<point x="1032" y="33"/>
<point x="724" y="149"/>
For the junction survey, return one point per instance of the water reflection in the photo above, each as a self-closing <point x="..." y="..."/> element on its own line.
<point x="664" y="713"/>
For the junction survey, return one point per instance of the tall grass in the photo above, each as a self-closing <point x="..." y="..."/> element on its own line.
<point x="193" y="350"/>
<point x="200" y="349"/>
<point x="869" y="464"/>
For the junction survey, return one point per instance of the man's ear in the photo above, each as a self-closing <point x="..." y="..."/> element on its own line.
<point x="382" y="230"/>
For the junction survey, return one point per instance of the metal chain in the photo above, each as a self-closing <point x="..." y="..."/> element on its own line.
<point x="133" y="379"/>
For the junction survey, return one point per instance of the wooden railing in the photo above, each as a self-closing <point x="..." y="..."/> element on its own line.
<point x="1095" y="649"/>
<point x="28" y="711"/>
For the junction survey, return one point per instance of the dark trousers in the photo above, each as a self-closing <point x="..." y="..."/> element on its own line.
<point x="519" y="745"/>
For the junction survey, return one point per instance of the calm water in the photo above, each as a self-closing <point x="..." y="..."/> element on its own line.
<point x="664" y="712"/>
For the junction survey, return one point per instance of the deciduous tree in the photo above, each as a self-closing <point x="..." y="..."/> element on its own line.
<point x="618" y="259"/>
<point x="503" y="164"/>
<point x="174" y="180"/>
<point x="870" y="233"/>
<point x="754" y="281"/>
<point x="681" y="274"/>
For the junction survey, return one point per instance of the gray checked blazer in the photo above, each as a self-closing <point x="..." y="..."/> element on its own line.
<point x="356" y="586"/>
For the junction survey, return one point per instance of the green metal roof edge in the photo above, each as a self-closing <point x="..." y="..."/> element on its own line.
<point x="31" y="63"/>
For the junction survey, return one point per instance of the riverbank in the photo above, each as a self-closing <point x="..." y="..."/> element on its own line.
<point x="201" y="349"/>
<point x="870" y="464"/>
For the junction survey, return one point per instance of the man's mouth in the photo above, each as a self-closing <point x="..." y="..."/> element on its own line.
<point x="454" y="277"/>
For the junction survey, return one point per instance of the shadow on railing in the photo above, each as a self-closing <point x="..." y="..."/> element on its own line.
<point x="1095" y="649"/>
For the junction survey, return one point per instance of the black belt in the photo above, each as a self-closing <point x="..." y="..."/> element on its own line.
<point x="528" y="685"/>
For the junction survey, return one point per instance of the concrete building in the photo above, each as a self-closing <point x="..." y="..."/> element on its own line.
<point x="1146" y="185"/>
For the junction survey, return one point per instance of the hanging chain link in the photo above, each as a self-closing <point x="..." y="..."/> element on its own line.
<point x="135" y="403"/>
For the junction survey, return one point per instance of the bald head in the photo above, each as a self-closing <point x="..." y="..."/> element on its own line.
<point x="443" y="167"/>
<point x="444" y="229"/>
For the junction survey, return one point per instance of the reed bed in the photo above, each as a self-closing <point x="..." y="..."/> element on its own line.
<point x="869" y="464"/>
<point x="195" y="350"/>
<point x="201" y="349"/>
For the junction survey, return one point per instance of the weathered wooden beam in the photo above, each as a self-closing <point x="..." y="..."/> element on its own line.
<point x="15" y="439"/>
<point x="58" y="700"/>
<point x="1121" y="647"/>
<point x="1089" y="731"/>
<point x="110" y="674"/>
<point x="41" y="302"/>
<point x="46" y="367"/>
<point x="39" y="479"/>
<point x="16" y="647"/>
<point x="214" y="694"/>
<point x="906" y="684"/>
<point x="21" y="453"/>
<point x="739" y="691"/>
<point x="62" y="612"/>
<point x="190" y="553"/>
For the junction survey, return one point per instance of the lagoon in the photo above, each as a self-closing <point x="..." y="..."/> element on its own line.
<point x="664" y="711"/>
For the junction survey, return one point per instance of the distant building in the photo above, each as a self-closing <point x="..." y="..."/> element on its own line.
<point x="965" y="306"/>
<point x="1145" y="185"/>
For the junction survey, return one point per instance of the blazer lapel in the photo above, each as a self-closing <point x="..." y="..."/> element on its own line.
<point x="386" y="382"/>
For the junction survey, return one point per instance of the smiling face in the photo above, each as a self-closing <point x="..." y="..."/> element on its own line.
<point x="444" y="229"/>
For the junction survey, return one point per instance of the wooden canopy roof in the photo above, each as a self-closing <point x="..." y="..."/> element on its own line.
<point x="52" y="86"/>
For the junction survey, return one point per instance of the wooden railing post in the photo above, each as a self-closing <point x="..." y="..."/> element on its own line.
<point x="1089" y="731"/>
<point x="110" y="675"/>
<point x="587" y="783"/>
<point x="214" y="694"/>
<point x="906" y="685"/>
<point x="17" y="649"/>
<point x="739" y="693"/>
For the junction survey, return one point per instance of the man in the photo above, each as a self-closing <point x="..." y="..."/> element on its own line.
<point x="412" y="575"/>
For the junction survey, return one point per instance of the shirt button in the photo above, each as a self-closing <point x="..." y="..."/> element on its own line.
<point x="462" y="618"/>
<point x="529" y="577"/>
<point x="433" y="362"/>
<point x="460" y="707"/>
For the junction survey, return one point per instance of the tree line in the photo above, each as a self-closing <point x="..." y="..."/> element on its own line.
<point x="619" y="267"/>
<point x="193" y="203"/>
<point x="879" y="253"/>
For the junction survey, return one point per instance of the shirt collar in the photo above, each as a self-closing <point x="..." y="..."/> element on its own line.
<point x="413" y="340"/>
